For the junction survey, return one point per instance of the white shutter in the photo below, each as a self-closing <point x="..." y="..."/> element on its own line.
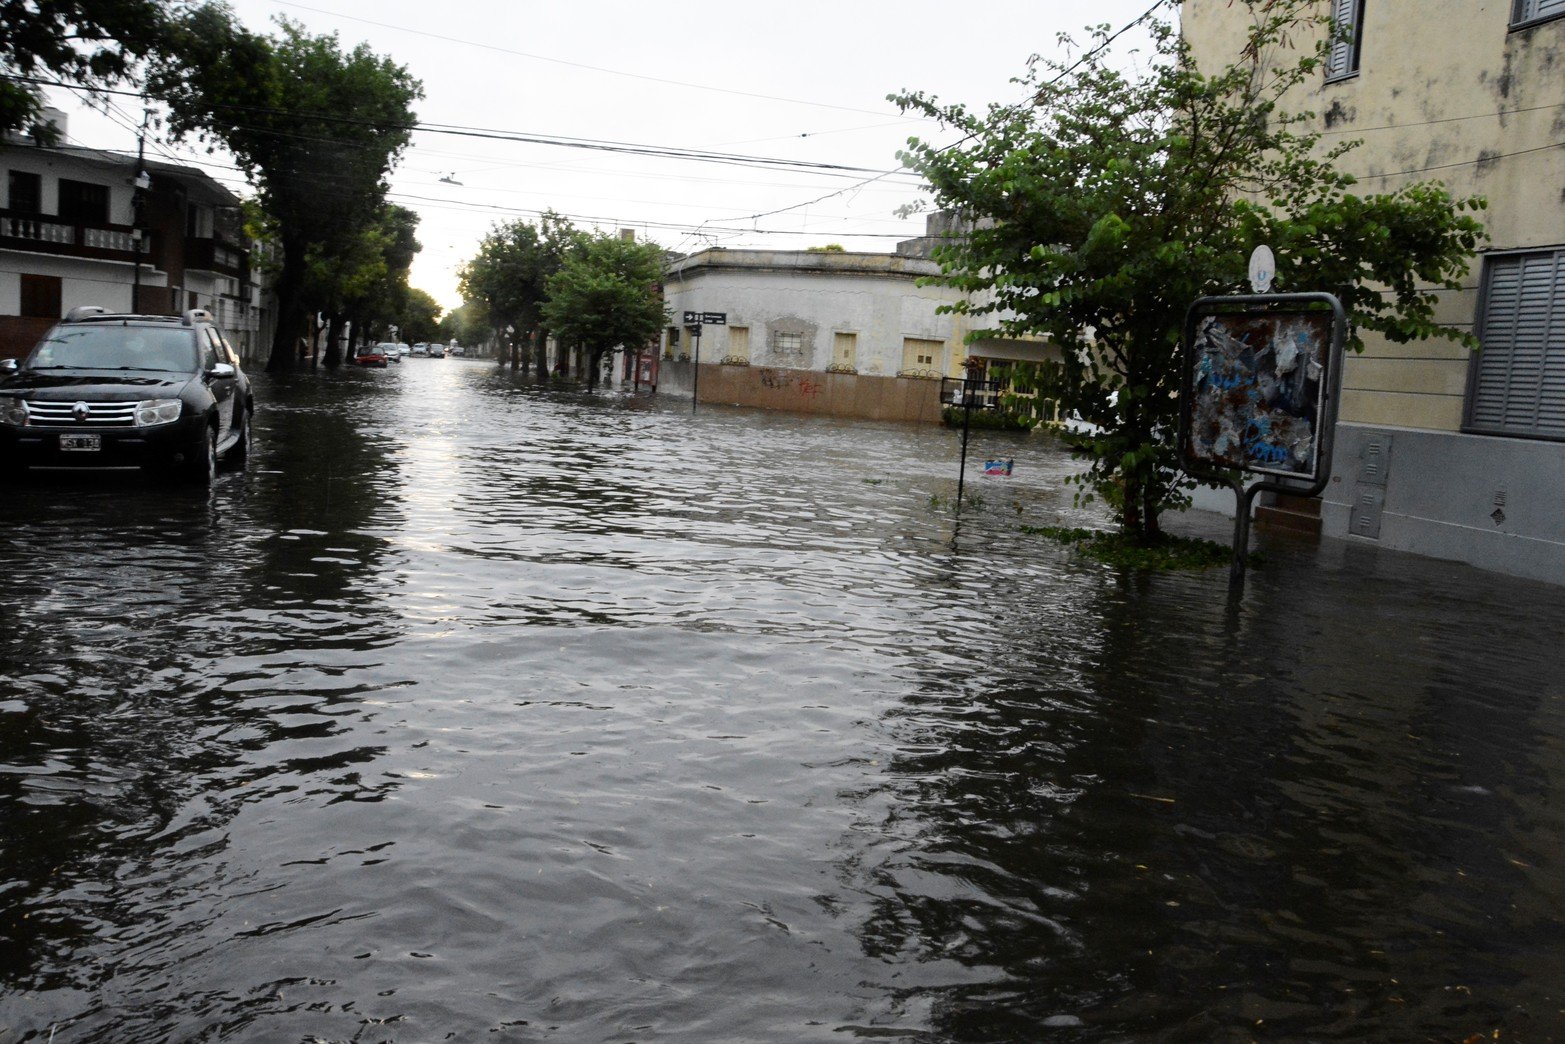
<point x="1530" y="10"/>
<point x="1339" y="58"/>
<point x="1521" y="369"/>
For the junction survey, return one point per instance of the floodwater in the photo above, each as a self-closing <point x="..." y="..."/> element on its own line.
<point x="475" y="712"/>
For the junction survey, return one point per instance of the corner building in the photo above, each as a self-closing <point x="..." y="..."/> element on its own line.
<point x="1439" y="450"/>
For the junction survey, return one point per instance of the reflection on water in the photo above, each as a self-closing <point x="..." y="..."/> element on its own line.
<point x="474" y="710"/>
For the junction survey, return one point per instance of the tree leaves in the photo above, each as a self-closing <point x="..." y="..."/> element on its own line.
<point x="1114" y="200"/>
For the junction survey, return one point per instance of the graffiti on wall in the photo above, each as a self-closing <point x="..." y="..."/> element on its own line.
<point x="1255" y="389"/>
<point x="803" y="383"/>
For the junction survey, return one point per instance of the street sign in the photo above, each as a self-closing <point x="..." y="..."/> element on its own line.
<point x="706" y="318"/>
<point x="692" y="318"/>
<point x="1263" y="269"/>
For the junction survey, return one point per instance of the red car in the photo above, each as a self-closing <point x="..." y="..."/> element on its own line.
<point x="370" y="355"/>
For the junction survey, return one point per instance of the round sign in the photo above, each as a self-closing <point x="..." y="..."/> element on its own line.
<point x="1263" y="266"/>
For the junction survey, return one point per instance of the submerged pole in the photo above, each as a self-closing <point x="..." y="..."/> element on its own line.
<point x="967" y="419"/>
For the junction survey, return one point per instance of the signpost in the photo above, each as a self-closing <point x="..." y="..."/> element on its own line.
<point x="1259" y="396"/>
<point x="693" y="322"/>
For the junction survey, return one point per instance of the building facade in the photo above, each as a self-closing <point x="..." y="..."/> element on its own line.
<point x="76" y="228"/>
<point x="830" y="313"/>
<point x="1440" y="450"/>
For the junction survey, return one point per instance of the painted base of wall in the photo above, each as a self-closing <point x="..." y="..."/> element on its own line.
<point x="1495" y="503"/>
<point x="808" y="391"/>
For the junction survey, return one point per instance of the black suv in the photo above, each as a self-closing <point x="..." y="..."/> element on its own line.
<point x="101" y="390"/>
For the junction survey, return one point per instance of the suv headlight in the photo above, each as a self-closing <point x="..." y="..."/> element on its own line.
<point x="156" y="411"/>
<point x="13" y="412"/>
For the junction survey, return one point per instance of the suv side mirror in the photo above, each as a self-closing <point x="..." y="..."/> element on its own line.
<point x="9" y="366"/>
<point x="220" y="371"/>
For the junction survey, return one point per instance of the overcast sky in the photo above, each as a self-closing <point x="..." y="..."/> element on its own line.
<point x="804" y="80"/>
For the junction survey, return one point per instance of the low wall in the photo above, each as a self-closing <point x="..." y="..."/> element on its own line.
<point x="808" y="391"/>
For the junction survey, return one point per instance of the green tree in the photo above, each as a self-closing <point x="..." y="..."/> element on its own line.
<point x="94" y="43"/>
<point x="607" y="295"/>
<point x="468" y="323"/>
<point x="316" y="129"/>
<point x="380" y="302"/>
<point x="510" y="275"/>
<point x="420" y="317"/>
<point x="1101" y="209"/>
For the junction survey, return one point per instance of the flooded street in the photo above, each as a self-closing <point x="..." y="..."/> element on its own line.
<point x="477" y="712"/>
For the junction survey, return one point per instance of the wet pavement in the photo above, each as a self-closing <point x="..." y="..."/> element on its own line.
<point x="477" y="712"/>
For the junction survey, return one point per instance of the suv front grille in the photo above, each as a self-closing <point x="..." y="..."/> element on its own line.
<point x="112" y="414"/>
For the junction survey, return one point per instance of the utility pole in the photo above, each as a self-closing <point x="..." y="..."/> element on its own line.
<point x="141" y="182"/>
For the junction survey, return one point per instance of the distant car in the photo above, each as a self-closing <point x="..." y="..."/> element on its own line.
<point x="421" y="349"/>
<point x="113" y="390"/>
<point x="391" y="350"/>
<point x="437" y="351"/>
<point x="403" y="351"/>
<point x="457" y="349"/>
<point x="370" y="355"/>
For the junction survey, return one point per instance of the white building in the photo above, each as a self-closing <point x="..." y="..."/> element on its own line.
<point x="70" y="235"/>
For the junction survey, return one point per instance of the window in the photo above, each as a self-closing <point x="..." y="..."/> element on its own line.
<point x="844" y="349"/>
<point x="1525" y="12"/>
<point x="41" y="297"/>
<point x="787" y="342"/>
<point x="83" y="204"/>
<point x="1347" y="38"/>
<point x="739" y="342"/>
<point x="1518" y="382"/>
<point x="25" y="193"/>
<point x="920" y="356"/>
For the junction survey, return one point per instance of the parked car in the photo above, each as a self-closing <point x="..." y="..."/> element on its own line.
<point x="421" y="349"/>
<point x="437" y="351"/>
<point x="457" y="349"/>
<point x="105" y="390"/>
<point x="370" y="355"/>
<point x="403" y="351"/>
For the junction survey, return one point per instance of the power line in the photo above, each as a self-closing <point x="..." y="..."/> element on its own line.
<point x="490" y="134"/>
<point x="590" y="68"/>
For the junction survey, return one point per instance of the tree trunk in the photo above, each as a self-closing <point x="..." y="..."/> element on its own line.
<point x="290" y="305"/>
<point x="516" y="353"/>
<point x="541" y="348"/>
<point x="593" y="363"/>
<point x="333" y="340"/>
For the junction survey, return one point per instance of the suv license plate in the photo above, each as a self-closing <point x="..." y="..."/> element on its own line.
<point x="80" y="443"/>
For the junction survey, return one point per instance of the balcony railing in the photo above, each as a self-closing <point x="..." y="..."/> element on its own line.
<point x="215" y="255"/>
<point x="46" y="234"/>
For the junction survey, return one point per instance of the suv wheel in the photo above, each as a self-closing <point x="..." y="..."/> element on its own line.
<point x="202" y="467"/>
<point x="239" y="452"/>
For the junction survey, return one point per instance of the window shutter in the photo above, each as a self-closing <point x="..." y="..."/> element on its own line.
<point x="1521" y="370"/>
<point x="1339" y="59"/>
<point x="1530" y="10"/>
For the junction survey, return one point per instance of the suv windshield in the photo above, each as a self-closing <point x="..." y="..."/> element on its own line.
<point x="115" y="348"/>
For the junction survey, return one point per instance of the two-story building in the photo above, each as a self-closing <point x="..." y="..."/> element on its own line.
<point x="83" y="226"/>
<point x="1440" y="450"/>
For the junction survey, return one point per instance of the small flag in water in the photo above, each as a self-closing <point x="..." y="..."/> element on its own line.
<point x="998" y="467"/>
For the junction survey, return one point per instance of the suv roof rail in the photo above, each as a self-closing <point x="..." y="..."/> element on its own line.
<point x="80" y="312"/>
<point x="197" y="315"/>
